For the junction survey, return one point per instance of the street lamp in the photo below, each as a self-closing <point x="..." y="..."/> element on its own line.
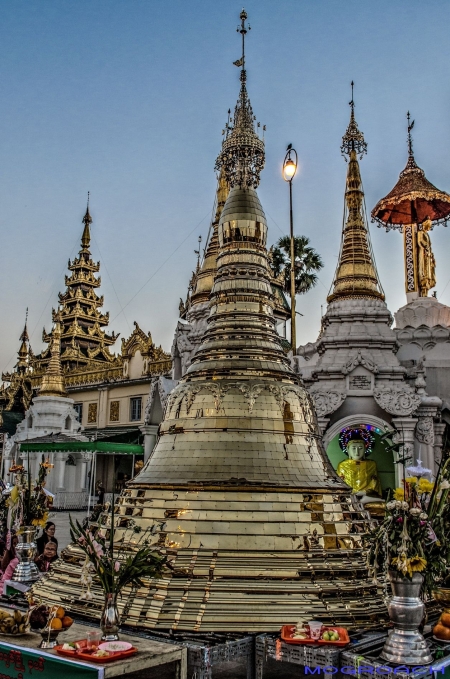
<point x="290" y="164"/>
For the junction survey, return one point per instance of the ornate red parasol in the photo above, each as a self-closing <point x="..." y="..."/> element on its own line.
<point x="413" y="199"/>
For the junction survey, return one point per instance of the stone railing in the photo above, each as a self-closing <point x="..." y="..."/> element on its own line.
<point x="65" y="500"/>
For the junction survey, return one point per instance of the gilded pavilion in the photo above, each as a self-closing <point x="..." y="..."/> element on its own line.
<point x="110" y="391"/>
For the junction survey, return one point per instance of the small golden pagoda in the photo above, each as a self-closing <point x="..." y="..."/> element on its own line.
<point x="239" y="491"/>
<point x="53" y="381"/>
<point x="356" y="274"/>
<point x="18" y="394"/>
<point x="413" y="207"/>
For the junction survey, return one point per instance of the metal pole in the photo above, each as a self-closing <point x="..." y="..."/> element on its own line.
<point x="293" y="333"/>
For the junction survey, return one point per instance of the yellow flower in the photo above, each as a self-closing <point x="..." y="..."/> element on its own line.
<point x="40" y="522"/>
<point x="425" y="486"/>
<point x="416" y="564"/>
<point x="412" y="480"/>
<point x="399" y="494"/>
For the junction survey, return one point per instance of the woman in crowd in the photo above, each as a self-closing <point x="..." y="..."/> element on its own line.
<point x="10" y="553"/>
<point x="48" y="556"/>
<point x="47" y="534"/>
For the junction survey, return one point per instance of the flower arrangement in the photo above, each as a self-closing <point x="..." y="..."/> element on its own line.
<point x="415" y="534"/>
<point x="27" y="503"/>
<point x="116" y="568"/>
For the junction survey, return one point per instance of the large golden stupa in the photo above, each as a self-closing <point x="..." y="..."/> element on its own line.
<point x="239" y="491"/>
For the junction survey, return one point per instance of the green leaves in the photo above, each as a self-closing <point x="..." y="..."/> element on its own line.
<point x="118" y="568"/>
<point x="307" y="262"/>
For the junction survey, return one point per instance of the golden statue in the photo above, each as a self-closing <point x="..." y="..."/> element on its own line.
<point x="426" y="261"/>
<point x="357" y="472"/>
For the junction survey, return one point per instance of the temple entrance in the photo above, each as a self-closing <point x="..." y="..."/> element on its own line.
<point x="379" y="453"/>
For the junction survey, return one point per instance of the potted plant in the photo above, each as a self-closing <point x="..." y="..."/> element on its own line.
<point x="115" y="567"/>
<point x="411" y="547"/>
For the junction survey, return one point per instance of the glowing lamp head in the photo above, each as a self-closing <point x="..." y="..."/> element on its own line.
<point x="289" y="169"/>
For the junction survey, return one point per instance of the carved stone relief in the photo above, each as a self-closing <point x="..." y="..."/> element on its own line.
<point x="359" y="359"/>
<point x="326" y="401"/>
<point x="424" y="431"/>
<point x="397" y="400"/>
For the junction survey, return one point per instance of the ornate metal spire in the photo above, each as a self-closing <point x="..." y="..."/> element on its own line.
<point x="356" y="273"/>
<point x="53" y="380"/>
<point x="24" y="350"/>
<point x="242" y="156"/>
<point x="87" y="220"/>
<point x="353" y="139"/>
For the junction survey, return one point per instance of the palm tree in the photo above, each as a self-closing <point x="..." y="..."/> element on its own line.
<point x="307" y="261"/>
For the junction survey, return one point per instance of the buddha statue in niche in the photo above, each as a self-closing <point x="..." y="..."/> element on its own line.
<point x="358" y="472"/>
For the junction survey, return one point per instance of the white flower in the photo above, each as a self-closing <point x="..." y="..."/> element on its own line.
<point x="391" y="505"/>
<point x="423" y="516"/>
<point x="415" y="511"/>
<point x="398" y="504"/>
<point x="88" y="596"/>
<point x="445" y="485"/>
<point x="404" y="505"/>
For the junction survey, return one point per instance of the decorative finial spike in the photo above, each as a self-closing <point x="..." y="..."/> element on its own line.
<point x="242" y="156"/>
<point x="410" y="143"/>
<point x="86" y="237"/>
<point x="353" y="139"/>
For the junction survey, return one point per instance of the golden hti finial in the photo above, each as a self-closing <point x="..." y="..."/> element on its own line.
<point x="356" y="274"/>
<point x="353" y="139"/>
<point x="242" y="157"/>
<point x="53" y="380"/>
<point x="411" y="164"/>
<point x="87" y="220"/>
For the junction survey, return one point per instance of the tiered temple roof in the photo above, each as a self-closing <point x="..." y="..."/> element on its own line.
<point x="83" y="340"/>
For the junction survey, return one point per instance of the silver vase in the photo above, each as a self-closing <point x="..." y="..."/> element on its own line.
<point x="405" y="645"/>
<point x="26" y="570"/>
<point x="110" y="621"/>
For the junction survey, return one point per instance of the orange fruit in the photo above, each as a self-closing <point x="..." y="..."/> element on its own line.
<point x="445" y="619"/>
<point x="441" y="632"/>
<point x="56" y="624"/>
<point x="67" y="621"/>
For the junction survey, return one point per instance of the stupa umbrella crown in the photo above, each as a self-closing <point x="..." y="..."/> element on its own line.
<point x="413" y="199"/>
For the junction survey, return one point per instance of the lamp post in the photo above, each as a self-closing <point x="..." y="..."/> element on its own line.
<point x="290" y="164"/>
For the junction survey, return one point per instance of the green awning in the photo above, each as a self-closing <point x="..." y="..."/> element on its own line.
<point x="83" y="447"/>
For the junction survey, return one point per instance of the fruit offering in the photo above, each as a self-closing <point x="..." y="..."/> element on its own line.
<point x="330" y="635"/>
<point x="13" y="622"/>
<point x="442" y="629"/>
<point x="55" y="618"/>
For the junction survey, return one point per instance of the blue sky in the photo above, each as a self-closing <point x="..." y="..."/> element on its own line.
<point x="127" y="99"/>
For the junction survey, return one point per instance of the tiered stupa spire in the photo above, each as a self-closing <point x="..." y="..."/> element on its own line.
<point x="204" y="278"/>
<point x="83" y="340"/>
<point x="53" y="380"/>
<point x="356" y="273"/>
<point x="238" y="489"/>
